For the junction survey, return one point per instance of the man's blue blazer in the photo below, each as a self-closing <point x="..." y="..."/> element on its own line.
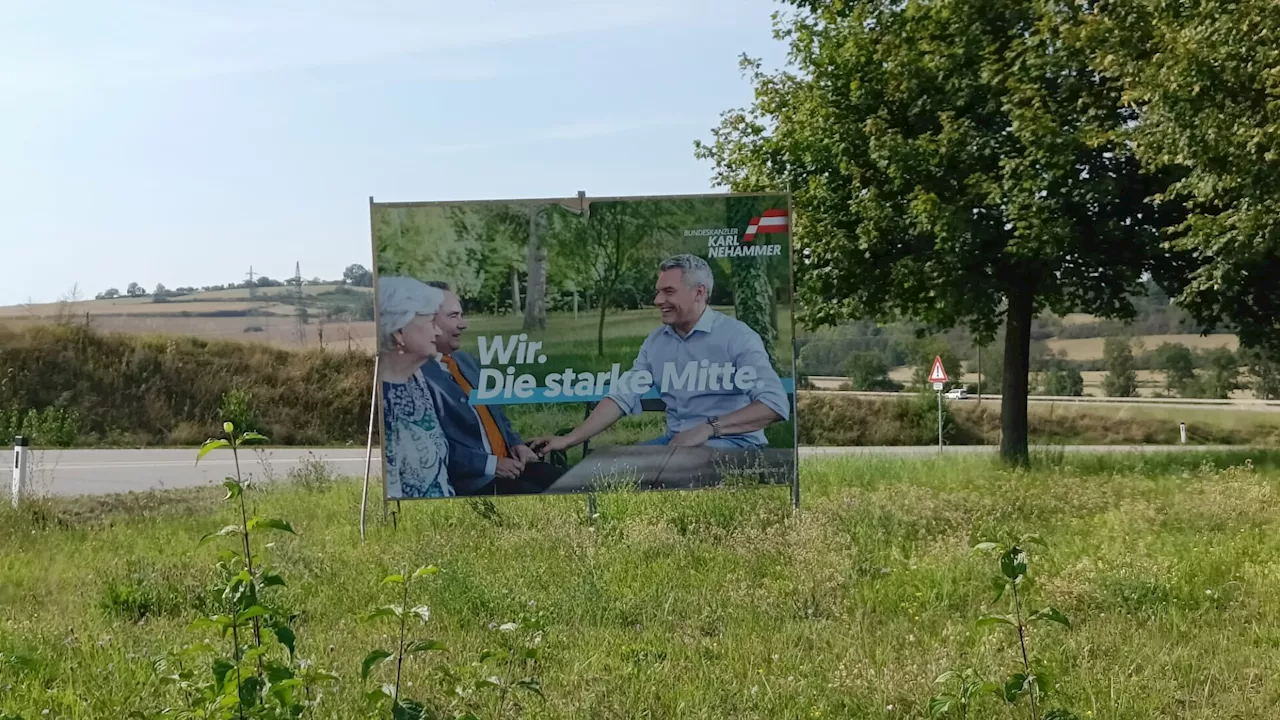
<point x="467" y="456"/>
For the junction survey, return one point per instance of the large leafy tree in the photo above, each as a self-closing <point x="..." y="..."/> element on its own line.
<point x="1204" y="78"/>
<point x="953" y="161"/>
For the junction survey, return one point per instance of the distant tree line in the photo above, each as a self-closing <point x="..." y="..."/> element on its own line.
<point x="355" y="275"/>
<point x="865" y="353"/>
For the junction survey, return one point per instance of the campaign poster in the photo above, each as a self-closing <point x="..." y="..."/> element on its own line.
<point x="584" y="344"/>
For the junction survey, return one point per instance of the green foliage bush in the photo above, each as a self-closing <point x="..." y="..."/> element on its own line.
<point x="48" y="427"/>
<point x="868" y="372"/>
<point x="1122" y="378"/>
<point x="909" y="420"/>
<point x="1062" y="380"/>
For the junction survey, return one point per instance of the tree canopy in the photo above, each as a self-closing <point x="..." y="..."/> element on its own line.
<point x="1204" y="79"/>
<point x="959" y="163"/>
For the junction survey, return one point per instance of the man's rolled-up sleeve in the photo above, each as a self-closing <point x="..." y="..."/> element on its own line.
<point x="768" y="388"/>
<point x="628" y="401"/>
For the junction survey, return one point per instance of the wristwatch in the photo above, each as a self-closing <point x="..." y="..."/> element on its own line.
<point x="714" y="422"/>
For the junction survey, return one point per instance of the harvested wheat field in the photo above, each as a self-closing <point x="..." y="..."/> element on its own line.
<point x="1091" y="348"/>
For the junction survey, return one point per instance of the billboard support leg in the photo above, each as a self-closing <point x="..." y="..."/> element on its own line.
<point x="795" y="419"/>
<point x="369" y="454"/>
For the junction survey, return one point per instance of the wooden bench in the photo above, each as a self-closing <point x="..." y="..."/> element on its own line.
<point x="646" y="405"/>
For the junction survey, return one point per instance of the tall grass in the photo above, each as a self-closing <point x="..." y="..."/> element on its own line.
<point x="131" y="390"/>
<point x="717" y="604"/>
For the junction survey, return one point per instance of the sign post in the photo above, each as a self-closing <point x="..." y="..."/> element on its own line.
<point x="938" y="376"/>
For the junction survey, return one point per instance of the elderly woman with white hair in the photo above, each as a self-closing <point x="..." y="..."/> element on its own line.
<point x="417" y="452"/>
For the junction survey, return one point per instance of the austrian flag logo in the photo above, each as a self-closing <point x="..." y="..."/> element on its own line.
<point x="732" y="242"/>
<point x="772" y="221"/>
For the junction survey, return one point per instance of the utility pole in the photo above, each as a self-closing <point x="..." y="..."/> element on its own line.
<point x="253" y="288"/>
<point x="300" y="310"/>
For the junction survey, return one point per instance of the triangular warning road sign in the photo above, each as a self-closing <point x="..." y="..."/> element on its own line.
<point x="938" y="374"/>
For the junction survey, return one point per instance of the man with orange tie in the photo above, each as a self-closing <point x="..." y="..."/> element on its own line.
<point x="486" y="455"/>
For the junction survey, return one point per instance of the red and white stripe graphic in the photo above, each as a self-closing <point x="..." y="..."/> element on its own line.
<point x="772" y="221"/>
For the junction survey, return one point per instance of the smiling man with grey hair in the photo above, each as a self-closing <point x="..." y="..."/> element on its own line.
<point x="742" y="394"/>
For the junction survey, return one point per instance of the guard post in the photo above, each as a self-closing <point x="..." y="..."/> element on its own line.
<point x="20" y="449"/>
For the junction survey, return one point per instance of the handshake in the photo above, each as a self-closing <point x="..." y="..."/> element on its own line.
<point x="512" y="467"/>
<point x="521" y="455"/>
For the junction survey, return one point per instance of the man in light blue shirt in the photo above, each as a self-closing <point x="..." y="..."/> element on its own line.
<point x="711" y="370"/>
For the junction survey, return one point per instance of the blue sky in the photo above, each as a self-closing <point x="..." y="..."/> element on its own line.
<point x="180" y="142"/>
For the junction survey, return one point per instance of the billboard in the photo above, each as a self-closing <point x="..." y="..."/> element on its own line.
<point x="575" y="344"/>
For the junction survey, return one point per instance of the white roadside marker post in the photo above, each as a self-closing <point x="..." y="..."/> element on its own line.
<point x="20" y="447"/>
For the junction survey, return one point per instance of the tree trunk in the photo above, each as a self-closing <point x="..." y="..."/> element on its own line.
<point x="1017" y="365"/>
<point x="753" y="300"/>
<point x="535" y="300"/>
<point x="604" y="308"/>
<point x="515" y="292"/>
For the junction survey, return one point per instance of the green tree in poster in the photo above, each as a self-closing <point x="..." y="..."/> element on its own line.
<point x="617" y="237"/>
<point x="507" y="238"/>
<point x="752" y="290"/>
<point x="548" y="226"/>
<point x="496" y="236"/>
<point x="952" y="162"/>
<point x="421" y="241"/>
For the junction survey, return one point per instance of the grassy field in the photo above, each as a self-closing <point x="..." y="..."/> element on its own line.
<point x="1091" y="348"/>
<point x="720" y="604"/>
<point x="564" y="328"/>
<point x="215" y="315"/>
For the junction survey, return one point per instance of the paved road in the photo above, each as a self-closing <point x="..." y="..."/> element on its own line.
<point x="101" y="472"/>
